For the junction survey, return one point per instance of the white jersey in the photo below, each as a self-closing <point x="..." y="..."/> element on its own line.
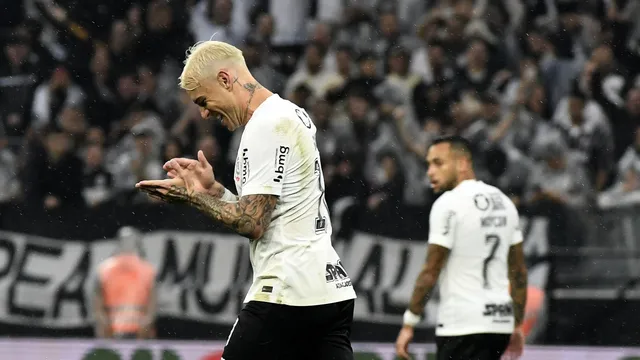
<point x="478" y="223"/>
<point x="294" y="262"/>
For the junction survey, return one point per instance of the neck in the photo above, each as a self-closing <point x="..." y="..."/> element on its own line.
<point x="465" y="176"/>
<point x="256" y="95"/>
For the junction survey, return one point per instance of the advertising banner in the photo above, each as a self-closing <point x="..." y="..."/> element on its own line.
<point x="202" y="278"/>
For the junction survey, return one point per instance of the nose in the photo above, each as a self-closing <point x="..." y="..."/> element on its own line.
<point x="204" y="113"/>
<point x="430" y="172"/>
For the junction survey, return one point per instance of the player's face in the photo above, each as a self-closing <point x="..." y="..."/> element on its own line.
<point x="216" y="103"/>
<point x="442" y="167"/>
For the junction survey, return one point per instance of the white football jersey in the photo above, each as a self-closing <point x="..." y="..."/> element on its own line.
<point x="478" y="223"/>
<point x="294" y="263"/>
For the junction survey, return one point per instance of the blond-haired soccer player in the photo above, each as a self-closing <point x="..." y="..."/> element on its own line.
<point x="300" y="305"/>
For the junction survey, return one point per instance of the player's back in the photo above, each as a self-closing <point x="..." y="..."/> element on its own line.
<point x="474" y="284"/>
<point x="292" y="261"/>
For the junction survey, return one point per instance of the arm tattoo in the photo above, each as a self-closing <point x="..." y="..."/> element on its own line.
<point x="218" y="191"/>
<point x="436" y="259"/>
<point x="518" y="280"/>
<point x="249" y="217"/>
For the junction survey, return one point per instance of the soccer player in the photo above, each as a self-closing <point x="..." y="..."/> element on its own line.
<point x="301" y="302"/>
<point x="475" y="248"/>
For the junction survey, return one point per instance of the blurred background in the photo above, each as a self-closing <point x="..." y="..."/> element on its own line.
<point x="547" y="91"/>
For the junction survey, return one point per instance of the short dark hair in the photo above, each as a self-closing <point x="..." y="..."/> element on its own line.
<point x="457" y="143"/>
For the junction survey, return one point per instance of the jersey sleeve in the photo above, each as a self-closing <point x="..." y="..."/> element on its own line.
<point x="517" y="234"/>
<point x="442" y="222"/>
<point x="265" y="156"/>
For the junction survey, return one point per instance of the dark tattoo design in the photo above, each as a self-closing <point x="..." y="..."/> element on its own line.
<point x="436" y="259"/>
<point x="218" y="190"/>
<point x="518" y="280"/>
<point x="249" y="217"/>
<point x="251" y="88"/>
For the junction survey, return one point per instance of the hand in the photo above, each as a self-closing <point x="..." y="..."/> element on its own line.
<point x="402" y="343"/>
<point x="516" y="346"/>
<point x="180" y="189"/>
<point x="201" y="169"/>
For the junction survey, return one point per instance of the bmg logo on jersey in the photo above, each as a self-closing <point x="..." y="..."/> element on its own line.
<point x="280" y="160"/>
<point x="245" y="165"/>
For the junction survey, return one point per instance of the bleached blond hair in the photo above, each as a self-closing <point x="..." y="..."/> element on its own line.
<point x="204" y="59"/>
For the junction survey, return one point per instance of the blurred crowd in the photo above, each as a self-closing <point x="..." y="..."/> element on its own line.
<point x="547" y="91"/>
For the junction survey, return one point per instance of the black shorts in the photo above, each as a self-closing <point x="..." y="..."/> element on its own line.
<point x="266" y="331"/>
<point x="472" y="347"/>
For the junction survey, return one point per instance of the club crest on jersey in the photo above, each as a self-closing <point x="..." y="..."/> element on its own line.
<point x="481" y="202"/>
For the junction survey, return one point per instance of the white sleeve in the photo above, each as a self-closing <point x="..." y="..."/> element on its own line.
<point x="442" y="222"/>
<point x="266" y="152"/>
<point x="517" y="234"/>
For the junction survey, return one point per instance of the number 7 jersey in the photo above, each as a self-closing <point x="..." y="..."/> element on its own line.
<point x="294" y="263"/>
<point x="478" y="223"/>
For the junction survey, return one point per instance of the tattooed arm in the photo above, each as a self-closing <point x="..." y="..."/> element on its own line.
<point x="249" y="216"/>
<point x="436" y="259"/>
<point x="219" y="191"/>
<point x="518" y="280"/>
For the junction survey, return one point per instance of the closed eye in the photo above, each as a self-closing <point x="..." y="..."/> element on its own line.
<point x="201" y="101"/>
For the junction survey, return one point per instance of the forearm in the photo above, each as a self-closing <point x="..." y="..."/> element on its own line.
<point x="219" y="191"/>
<point x="518" y="280"/>
<point x="421" y="292"/>
<point x="250" y="216"/>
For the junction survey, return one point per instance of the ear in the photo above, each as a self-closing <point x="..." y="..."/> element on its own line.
<point x="224" y="79"/>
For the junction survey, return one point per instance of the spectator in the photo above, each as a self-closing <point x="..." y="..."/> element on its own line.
<point x="212" y="19"/>
<point x="585" y="129"/>
<point x="9" y="185"/>
<point x="52" y="96"/>
<point x="313" y="74"/>
<point x="256" y="59"/>
<point x="143" y="162"/>
<point x="53" y="177"/>
<point x="97" y="181"/>
<point x="560" y="178"/>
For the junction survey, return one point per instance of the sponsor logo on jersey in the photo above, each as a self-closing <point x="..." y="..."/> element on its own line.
<point x="280" y="160"/>
<point x="245" y="165"/>
<point x="492" y="309"/>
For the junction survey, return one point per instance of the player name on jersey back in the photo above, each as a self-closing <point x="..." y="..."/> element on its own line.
<point x="294" y="262"/>
<point x="478" y="223"/>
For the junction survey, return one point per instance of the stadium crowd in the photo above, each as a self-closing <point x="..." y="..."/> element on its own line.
<point x="547" y="91"/>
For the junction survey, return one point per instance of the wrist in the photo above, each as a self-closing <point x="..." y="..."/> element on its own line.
<point x="410" y="319"/>
<point x="217" y="190"/>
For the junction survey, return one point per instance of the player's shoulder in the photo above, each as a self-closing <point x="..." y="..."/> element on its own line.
<point x="276" y="115"/>
<point x="445" y="201"/>
<point x="481" y="194"/>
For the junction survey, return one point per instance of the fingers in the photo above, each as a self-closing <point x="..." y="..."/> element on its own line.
<point x="175" y="165"/>
<point x="158" y="184"/>
<point x="182" y="162"/>
<point x="202" y="159"/>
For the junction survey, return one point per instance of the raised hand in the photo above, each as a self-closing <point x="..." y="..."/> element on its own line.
<point x="200" y="169"/>
<point x="184" y="181"/>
